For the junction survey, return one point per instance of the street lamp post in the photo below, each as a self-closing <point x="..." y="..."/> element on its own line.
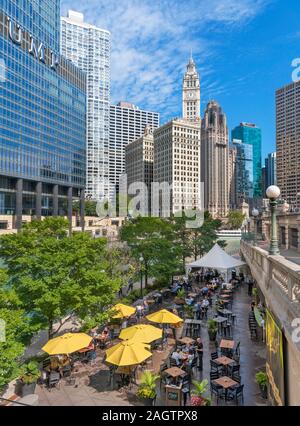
<point x="273" y="193"/>
<point x="141" y="261"/>
<point x="255" y="214"/>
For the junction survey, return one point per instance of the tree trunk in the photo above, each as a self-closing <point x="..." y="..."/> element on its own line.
<point x="146" y="277"/>
<point x="50" y="329"/>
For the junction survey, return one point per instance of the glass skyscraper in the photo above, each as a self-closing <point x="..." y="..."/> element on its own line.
<point x="88" y="47"/>
<point x="250" y="134"/>
<point x="244" y="179"/>
<point x="42" y="114"/>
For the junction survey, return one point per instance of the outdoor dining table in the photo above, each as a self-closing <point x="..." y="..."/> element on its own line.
<point x="226" y="383"/>
<point x="225" y="311"/>
<point x="225" y="361"/>
<point x="227" y="344"/>
<point x="186" y="340"/>
<point x="175" y="373"/>
<point x="219" y="320"/>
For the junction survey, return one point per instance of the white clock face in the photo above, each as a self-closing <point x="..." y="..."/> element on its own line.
<point x="191" y="95"/>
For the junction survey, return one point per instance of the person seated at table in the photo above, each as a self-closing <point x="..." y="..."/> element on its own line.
<point x="54" y="363"/>
<point x="204" y="291"/>
<point x="177" y="356"/>
<point x="189" y="301"/>
<point x="105" y="334"/>
<point x="205" y="303"/>
<point x="190" y="358"/>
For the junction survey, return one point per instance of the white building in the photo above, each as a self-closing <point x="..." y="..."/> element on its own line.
<point x="191" y="93"/>
<point x="177" y="163"/>
<point x="89" y="48"/>
<point x="127" y="123"/>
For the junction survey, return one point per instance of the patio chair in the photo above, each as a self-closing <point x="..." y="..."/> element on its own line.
<point x="54" y="380"/>
<point x="214" y="375"/>
<point x="217" y="391"/>
<point x="214" y="355"/>
<point x="236" y="394"/>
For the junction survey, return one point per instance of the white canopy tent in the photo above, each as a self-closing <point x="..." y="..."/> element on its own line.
<point x="217" y="259"/>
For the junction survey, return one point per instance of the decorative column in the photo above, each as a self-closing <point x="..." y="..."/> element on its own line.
<point x="70" y="208"/>
<point x="38" y="201"/>
<point x="82" y="205"/>
<point x="19" y="203"/>
<point x="273" y="192"/>
<point x="55" y="200"/>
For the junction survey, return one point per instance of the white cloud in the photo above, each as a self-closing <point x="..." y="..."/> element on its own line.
<point x="151" y="41"/>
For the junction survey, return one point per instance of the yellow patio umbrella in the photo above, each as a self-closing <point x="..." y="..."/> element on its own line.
<point x="123" y="311"/>
<point x="141" y="333"/>
<point x="164" y="317"/>
<point x="67" y="344"/>
<point x="127" y="353"/>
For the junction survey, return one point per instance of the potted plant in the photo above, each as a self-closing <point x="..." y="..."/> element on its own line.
<point x="147" y="388"/>
<point x="212" y="327"/>
<point x="200" y="389"/>
<point x="188" y="311"/>
<point x="29" y="378"/>
<point x="180" y="297"/>
<point x="262" y="380"/>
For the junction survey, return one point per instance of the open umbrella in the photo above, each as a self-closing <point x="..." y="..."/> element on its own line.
<point x="123" y="311"/>
<point x="127" y="353"/>
<point x="67" y="344"/>
<point x="141" y="333"/>
<point x="164" y="317"/>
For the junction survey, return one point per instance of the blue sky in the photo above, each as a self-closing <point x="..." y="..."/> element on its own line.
<point x="243" y="50"/>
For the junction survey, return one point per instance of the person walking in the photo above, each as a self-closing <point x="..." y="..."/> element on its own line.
<point x="250" y="287"/>
<point x="130" y="286"/>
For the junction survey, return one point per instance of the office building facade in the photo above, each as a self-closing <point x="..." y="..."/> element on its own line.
<point x="288" y="142"/>
<point x="127" y="123"/>
<point x="214" y="160"/>
<point x="88" y="47"/>
<point x="139" y="156"/>
<point x="271" y="169"/>
<point x="177" y="163"/>
<point x="250" y="134"/>
<point x="42" y="116"/>
<point x="244" y="178"/>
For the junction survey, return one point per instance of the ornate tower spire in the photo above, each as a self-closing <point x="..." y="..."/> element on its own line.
<point x="191" y="92"/>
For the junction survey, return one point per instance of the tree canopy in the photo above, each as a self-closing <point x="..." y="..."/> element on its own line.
<point x="56" y="276"/>
<point x="235" y="219"/>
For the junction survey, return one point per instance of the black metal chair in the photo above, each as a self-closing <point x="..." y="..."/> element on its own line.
<point x="214" y="375"/>
<point x="217" y="391"/>
<point x="236" y="394"/>
<point x="214" y="355"/>
<point x="54" y="379"/>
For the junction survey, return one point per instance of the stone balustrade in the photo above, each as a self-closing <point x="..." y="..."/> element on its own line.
<point x="278" y="280"/>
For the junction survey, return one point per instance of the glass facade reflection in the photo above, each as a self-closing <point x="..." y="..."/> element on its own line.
<point x="244" y="179"/>
<point x="42" y="112"/>
<point x="250" y="134"/>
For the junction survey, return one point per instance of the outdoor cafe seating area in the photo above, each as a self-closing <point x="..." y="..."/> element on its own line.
<point x="174" y="330"/>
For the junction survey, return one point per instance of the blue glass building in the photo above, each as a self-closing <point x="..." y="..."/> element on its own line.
<point x="244" y="179"/>
<point x="42" y="115"/>
<point x="250" y="134"/>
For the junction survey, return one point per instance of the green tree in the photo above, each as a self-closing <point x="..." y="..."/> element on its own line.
<point x="57" y="277"/>
<point x="89" y="208"/>
<point x="152" y="239"/>
<point x="235" y="219"/>
<point x="16" y="332"/>
<point x="204" y="237"/>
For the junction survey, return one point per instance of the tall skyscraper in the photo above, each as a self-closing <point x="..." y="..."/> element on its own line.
<point x="139" y="156"/>
<point x="42" y="115"/>
<point x="191" y="93"/>
<point x="214" y="160"/>
<point x="288" y="142"/>
<point x="271" y="169"/>
<point x="177" y="162"/>
<point x="127" y="123"/>
<point x="232" y="155"/>
<point x="250" y="134"/>
<point x="89" y="48"/>
<point x="244" y="178"/>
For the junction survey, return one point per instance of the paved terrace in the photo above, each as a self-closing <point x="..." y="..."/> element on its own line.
<point x="92" y="388"/>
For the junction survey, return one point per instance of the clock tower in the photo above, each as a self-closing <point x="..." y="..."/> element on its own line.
<point x="191" y="93"/>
